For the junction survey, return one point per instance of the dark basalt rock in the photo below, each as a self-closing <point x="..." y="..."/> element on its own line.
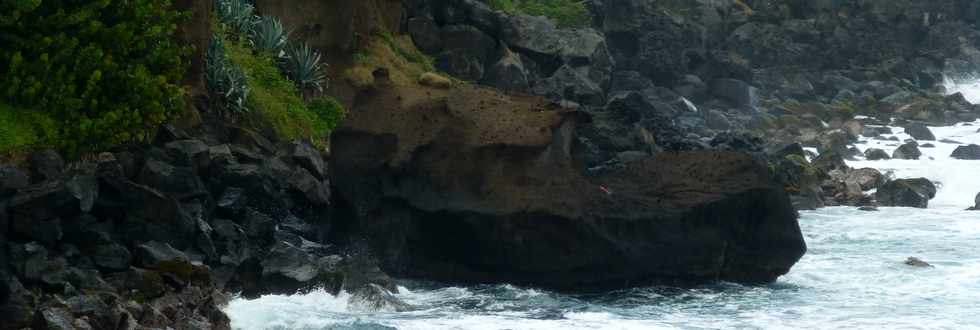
<point x="46" y="165"/>
<point x="11" y="179"/>
<point x="970" y="152"/>
<point x="907" y="193"/>
<point x="907" y="151"/>
<point x="192" y="153"/>
<point x="374" y="298"/>
<point x="876" y="154"/>
<point x="920" y="132"/>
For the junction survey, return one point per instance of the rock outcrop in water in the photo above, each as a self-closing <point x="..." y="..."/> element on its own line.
<point x="907" y="193"/>
<point x="474" y="186"/>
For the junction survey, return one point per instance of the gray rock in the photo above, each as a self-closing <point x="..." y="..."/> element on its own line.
<point x="916" y="262"/>
<point x="907" y="151"/>
<point x="716" y="120"/>
<point x="289" y="268"/>
<point x="876" y="154"/>
<point x="906" y="193"/>
<point x="221" y="154"/>
<point x="425" y="34"/>
<point x="315" y="192"/>
<point x="306" y="156"/>
<point x="873" y="131"/>
<point x="11" y="179"/>
<point x="459" y="64"/>
<point x="55" y="319"/>
<point x="193" y="153"/>
<point x="154" y="254"/>
<point x="46" y="165"/>
<point x="258" y="225"/>
<point x="180" y="182"/>
<point x="573" y="84"/>
<point x="920" y="132"/>
<point x="970" y="152"/>
<point x="48" y="231"/>
<point x="738" y="92"/>
<point x="111" y="256"/>
<point x="232" y="202"/>
<point x="508" y="73"/>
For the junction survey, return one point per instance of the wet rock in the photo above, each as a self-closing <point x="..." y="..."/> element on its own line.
<point x="46" y="165"/>
<point x="192" y="153"/>
<point x="874" y="131"/>
<point x="86" y="305"/>
<point x="970" y="152"/>
<point x="289" y="268"/>
<point x="927" y="145"/>
<point x="920" y="132"/>
<point x="876" y="154"/>
<point x="308" y="186"/>
<point x="716" y="120"/>
<point x="829" y="162"/>
<point x="906" y="193"/>
<point x="865" y="178"/>
<point x="834" y="141"/>
<point x="868" y="209"/>
<point x="373" y="298"/>
<point x="232" y="202"/>
<point x="258" y="225"/>
<point x="306" y="156"/>
<point x="916" y="262"/>
<point x="976" y="204"/>
<point x="907" y="151"/>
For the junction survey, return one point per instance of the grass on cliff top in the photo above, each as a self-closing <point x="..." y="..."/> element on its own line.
<point x="565" y="13"/>
<point x="398" y="54"/>
<point x="277" y="100"/>
<point x="23" y="130"/>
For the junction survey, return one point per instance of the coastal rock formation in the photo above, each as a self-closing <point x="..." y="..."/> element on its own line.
<point x="474" y="186"/>
<point x="907" y="193"/>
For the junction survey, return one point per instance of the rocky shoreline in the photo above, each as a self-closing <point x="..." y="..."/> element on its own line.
<point x="621" y="154"/>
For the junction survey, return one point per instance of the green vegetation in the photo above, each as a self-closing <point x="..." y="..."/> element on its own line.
<point x="328" y="111"/>
<point x="269" y="35"/>
<point x="566" y="13"/>
<point x="22" y="130"/>
<point x="302" y="66"/>
<point x="239" y="15"/>
<point x="226" y="82"/>
<point x="413" y="56"/>
<point x="105" y="72"/>
<point x="275" y="99"/>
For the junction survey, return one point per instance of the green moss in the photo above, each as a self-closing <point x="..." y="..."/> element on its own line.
<point x="328" y="111"/>
<point x="565" y="13"/>
<point x="22" y="130"/>
<point x="276" y="100"/>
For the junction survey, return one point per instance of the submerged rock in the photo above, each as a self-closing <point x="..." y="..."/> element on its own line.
<point x="916" y="262"/>
<point x="876" y="154"/>
<point x="907" y="151"/>
<point x="374" y="298"/>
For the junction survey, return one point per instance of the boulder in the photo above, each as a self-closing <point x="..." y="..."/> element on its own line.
<point x="874" y="131"/>
<point x="920" y="132"/>
<point x="906" y="193"/>
<point x="829" y="162"/>
<point x="155" y="254"/>
<point x="111" y="256"/>
<point x="738" y="92"/>
<point x="876" y="154"/>
<point x="11" y="179"/>
<point x="834" y="141"/>
<point x="306" y="156"/>
<point x="232" y="202"/>
<point x="289" y="268"/>
<point x="46" y="165"/>
<point x="572" y="84"/>
<point x="687" y="216"/>
<point x="865" y="178"/>
<point x="54" y="319"/>
<point x="907" y="151"/>
<point x="970" y="152"/>
<point x="192" y="153"/>
<point x="221" y="154"/>
<point x="976" y="203"/>
<point x="508" y="73"/>
<point x="178" y="182"/>
<point x="716" y="120"/>
<point x="425" y="34"/>
<point x="916" y="262"/>
<point x="302" y="182"/>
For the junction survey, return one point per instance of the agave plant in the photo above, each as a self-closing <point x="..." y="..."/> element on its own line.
<point x="269" y="35"/>
<point x="237" y="14"/>
<point x="302" y="65"/>
<point x="225" y="80"/>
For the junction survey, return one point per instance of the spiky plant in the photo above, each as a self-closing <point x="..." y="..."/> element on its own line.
<point x="239" y="15"/>
<point x="302" y="65"/>
<point x="269" y="35"/>
<point x="225" y="80"/>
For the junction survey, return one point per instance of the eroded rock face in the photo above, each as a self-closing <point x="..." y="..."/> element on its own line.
<point x="481" y="187"/>
<point x="907" y="193"/>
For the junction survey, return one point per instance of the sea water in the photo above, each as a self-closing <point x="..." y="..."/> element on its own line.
<point x="852" y="276"/>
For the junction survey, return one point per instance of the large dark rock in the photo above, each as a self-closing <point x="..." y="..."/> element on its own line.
<point x="289" y="268"/>
<point x="970" y="152"/>
<point x="907" y="193"/>
<point x="876" y="154"/>
<point x="425" y="34"/>
<point x="179" y="182"/>
<point x="508" y="73"/>
<point x="11" y="179"/>
<point x="434" y="206"/>
<point x="907" y="151"/>
<point x="920" y="132"/>
<point x="373" y="298"/>
<point x="111" y="256"/>
<point x="155" y="254"/>
<point x="307" y="157"/>
<point x="738" y="92"/>
<point x="46" y="165"/>
<point x="193" y="153"/>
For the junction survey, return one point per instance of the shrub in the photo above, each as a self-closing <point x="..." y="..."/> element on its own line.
<point x="565" y="13"/>
<point x="268" y="35"/>
<point x="107" y="72"/>
<point x="329" y="111"/>
<point x="302" y="66"/>
<point x="239" y="15"/>
<point x="23" y="130"/>
<point x="225" y="81"/>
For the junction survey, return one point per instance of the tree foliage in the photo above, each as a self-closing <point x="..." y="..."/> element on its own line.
<point x="107" y="70"/>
